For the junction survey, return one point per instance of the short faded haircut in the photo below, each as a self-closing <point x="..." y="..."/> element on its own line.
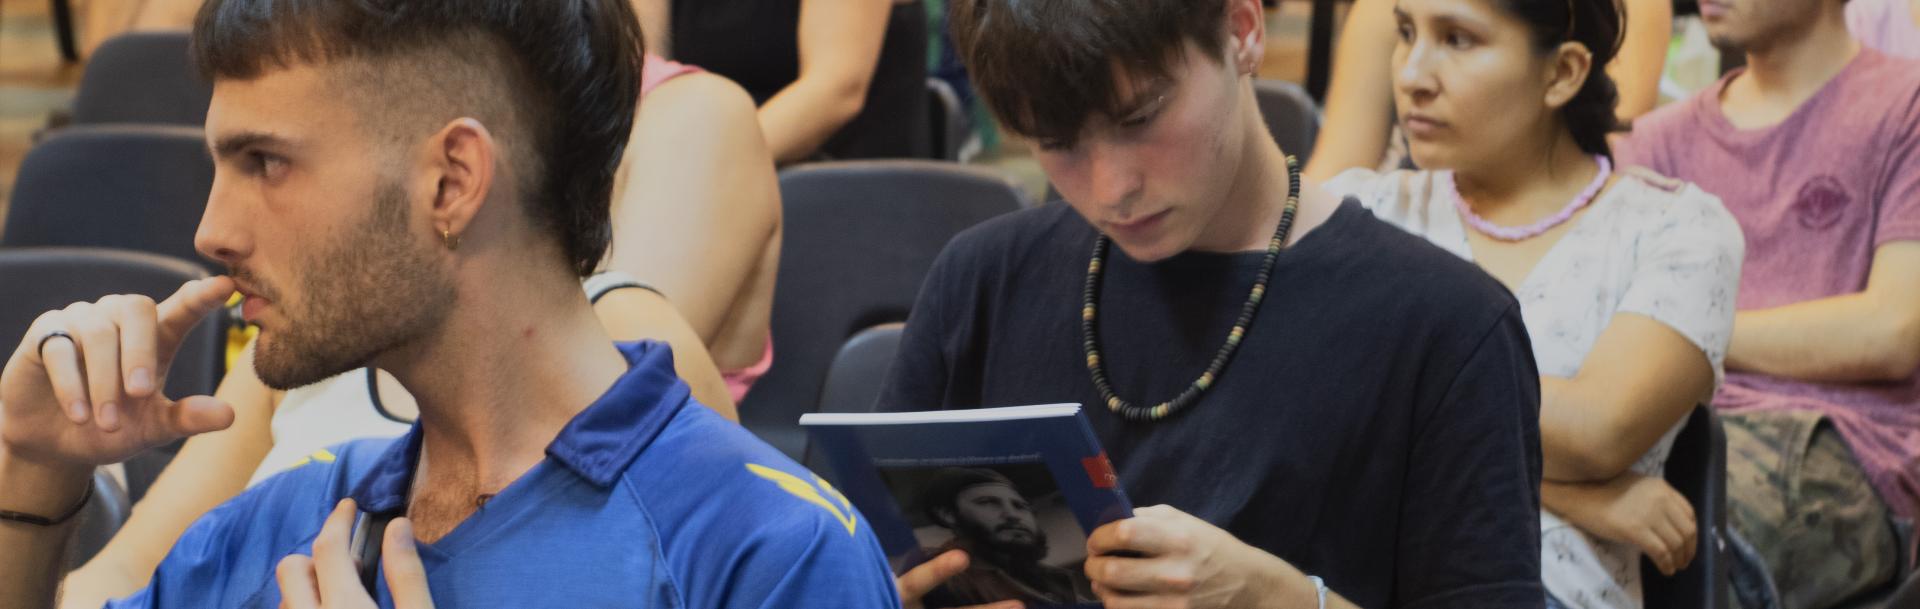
<point x="1046" y="66"/>
<point x="556" y="81"/>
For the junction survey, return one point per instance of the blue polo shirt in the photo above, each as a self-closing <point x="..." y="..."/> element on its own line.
<point x="646" y="499"/>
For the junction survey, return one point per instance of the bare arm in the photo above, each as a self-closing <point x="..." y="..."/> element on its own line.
<point x="839" y="47"/>
<point x="1643" y="56"/>
<point x="1871" y="335"/>
<point x="1638" y="381"/>
<point x="1359" y="105"/>
<point x="210" y="469"/>
<point x="701" y="207"/>
<point x="636" y="314"/>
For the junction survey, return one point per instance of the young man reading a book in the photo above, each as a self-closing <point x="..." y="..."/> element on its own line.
<point x="419" y="186"/>
<point x="1323" y="410"/>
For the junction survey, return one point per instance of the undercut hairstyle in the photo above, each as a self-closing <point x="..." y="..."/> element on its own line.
<point x="1045" y="66"/>
<point x="554" y="81"/>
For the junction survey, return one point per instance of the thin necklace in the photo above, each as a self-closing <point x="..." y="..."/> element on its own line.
<point x="1090" y="320"/>
<point x="1523" y="233"/>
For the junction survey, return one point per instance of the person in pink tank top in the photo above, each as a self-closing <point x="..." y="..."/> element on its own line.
<point x="698" y="181"/>
<point x="1814" y="148"/>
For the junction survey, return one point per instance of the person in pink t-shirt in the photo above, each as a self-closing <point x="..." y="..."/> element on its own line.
<point x="1888" y="26"/>
<point x="1815" y="149"/>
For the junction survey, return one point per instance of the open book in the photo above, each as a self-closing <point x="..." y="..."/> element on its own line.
<point x="1018" y="488"/>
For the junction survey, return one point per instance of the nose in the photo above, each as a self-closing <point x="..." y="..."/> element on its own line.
<point x="224" y="236"/>
<point x="1113" y="174"/>
<point x="1413" y="69"/>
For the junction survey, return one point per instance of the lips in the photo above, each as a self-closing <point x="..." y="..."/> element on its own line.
<point x="1422" y="126"/>
<point x="1712" y="10"/>
<point x="1139" y="225"/>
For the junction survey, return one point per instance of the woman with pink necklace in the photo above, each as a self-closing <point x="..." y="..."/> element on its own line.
<point x="1626" y="279"/>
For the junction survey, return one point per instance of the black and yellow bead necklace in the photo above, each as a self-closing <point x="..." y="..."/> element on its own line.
<point x="1090" y="321"/>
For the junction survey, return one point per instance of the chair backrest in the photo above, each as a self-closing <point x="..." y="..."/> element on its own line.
<point x="858" y="239"/>
<point x="854" y="379"/>
<point x="38" y="280"/>
<point x="1292" y="117"/>
<point x="947" y="118"/>
<point x="98" y="520"/>
<point x="1697" y="468"/>
<point x="129" y="187"/>
<point x="142" y="77"/>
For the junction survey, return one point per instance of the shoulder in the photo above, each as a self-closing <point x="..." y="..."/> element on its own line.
<point x="1678" y="118"/>
<point x="1403" y="198"/>
<point x="700" y="100"/>
<point x="1014" y="237"/>
<point x="1677" y="209"/>
<point x="1397" y="277"/>
<point x="737" y="518"/>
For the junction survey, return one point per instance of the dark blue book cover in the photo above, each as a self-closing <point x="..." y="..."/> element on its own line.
<point x="1018" y="489"/>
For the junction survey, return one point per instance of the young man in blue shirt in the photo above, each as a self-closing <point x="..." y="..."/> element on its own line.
<point x="418" y="186"/>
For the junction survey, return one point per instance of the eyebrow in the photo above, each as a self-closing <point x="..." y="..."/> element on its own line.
<point x="229" y="146"/>
<point x="1154" y="93"/>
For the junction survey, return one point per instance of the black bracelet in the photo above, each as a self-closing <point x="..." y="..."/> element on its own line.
<point x="43" y="521"/>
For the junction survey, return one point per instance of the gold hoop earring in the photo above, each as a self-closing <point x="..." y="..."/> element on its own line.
<point x="452" y="240"/>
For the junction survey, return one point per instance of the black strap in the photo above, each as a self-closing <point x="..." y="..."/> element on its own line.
<point x="43" y="521"/>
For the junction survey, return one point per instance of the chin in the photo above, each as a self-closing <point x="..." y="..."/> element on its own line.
<point x="1150" y="251"/>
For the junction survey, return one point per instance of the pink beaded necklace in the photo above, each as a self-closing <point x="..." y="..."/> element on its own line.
<point x="1522" y="233"/>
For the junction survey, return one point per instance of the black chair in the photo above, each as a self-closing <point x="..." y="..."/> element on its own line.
<point x="854" y="378"/>
<point x="859" y="237"/>
<point x="1292" y="117"/>
<point x="948" y="120"/>
<point x="135" y="187"/>
<point x="144" y="78"/>
<point x="1697" y="468"/>
<point x="38" y="280"/>
<point x="103" y="516"/>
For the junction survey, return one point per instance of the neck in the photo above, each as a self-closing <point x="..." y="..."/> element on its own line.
<point x="1530" y="184"/>
<point x="1255" y="200"/>
<point x="1795" y="64"/>
<point x="516" y="359"/>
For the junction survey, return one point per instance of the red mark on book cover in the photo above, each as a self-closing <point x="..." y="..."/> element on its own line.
<point x="1100" y="471"/>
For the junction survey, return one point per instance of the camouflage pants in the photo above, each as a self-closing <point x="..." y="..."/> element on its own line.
<point x="1796" y="493"/>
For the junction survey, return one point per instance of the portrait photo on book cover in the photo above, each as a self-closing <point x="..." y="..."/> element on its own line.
<point x="1012" y="521"/>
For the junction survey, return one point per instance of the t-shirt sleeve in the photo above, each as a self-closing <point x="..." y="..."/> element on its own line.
<point x="1686" y="274"/>
<point x="806" y="547"/>
<point x="1470" y="536"/>
<point x="204" y="567"/>
<point x="1899" y="218"/>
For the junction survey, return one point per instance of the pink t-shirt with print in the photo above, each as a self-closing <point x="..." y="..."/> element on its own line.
<point x="1815" y="195"/>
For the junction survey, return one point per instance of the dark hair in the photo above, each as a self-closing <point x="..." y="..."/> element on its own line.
<point x="567" y="71"/>
<point x="1597" y="24"/>
<point x="944" y="489"/>
<point x="1044" y="66"/>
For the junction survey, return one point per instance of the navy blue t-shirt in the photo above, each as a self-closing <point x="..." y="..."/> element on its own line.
<point x="646" y="499"/>
<point x="1378" y="427"/>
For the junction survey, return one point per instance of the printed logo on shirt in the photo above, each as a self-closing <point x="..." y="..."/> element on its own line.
<point x="816" y="493"/>
<point x="1821" y="203"/>
<point x="319" y="455"/>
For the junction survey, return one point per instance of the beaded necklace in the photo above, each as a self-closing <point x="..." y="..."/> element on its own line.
<point x="1090" y="321"/>
<point x="1522" y="233"/>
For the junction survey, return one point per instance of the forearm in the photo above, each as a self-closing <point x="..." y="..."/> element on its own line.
<point x="1642" y="58"/>
<point x="1840" y="339"/>
<point x="31" y="565"/>
<point x="1280" y="585"/>
<point x="1359" y="109"/>
<point x="1570" y="420"/>
<point x="800" y="118"/>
